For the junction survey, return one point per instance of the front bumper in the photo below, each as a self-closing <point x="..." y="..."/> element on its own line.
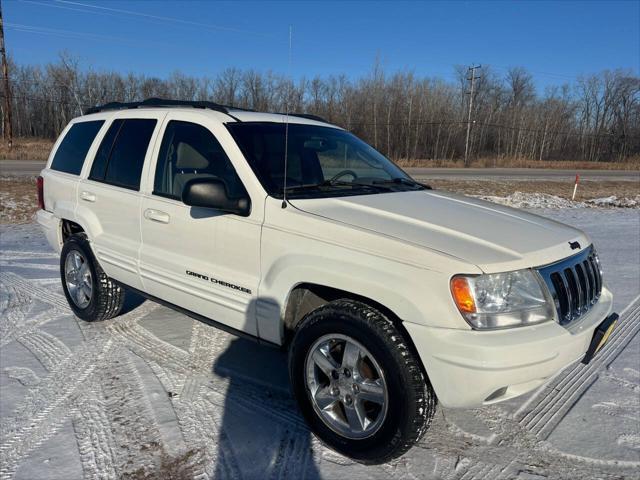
<point x="470" y="368"/>
<point x="51" y="227"/>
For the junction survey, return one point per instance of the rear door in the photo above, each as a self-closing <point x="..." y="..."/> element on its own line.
<point x="109" y="197"/>
<point x="200" y="259"/>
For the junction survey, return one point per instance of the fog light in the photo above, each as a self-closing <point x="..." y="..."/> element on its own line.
<point x="497" y="394"/>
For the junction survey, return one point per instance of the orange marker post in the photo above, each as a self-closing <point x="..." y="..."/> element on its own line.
<point x="575" y="187"/>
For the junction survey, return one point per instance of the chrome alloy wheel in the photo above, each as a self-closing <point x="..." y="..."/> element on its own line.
<point x="77" y="276"/>
<point x="346" y="386"/>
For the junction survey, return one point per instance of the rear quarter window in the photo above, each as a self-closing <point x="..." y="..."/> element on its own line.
<point x="73" y="149"/>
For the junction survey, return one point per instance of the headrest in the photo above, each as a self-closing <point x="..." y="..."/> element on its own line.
<point x="189" y="157"/>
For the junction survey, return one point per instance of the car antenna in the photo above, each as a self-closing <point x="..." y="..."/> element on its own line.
<point x="286" y="126"/>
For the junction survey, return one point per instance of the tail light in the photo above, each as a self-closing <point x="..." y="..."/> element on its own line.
<point x="40" y="187"/>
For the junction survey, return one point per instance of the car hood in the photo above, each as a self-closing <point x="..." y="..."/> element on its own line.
<point x="493" y="237"/>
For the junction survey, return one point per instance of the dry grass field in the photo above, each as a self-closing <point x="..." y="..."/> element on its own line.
<point x="26" y="148"/>
<point x="18" y="199"/>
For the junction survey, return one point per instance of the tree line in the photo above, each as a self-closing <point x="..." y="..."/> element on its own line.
<point x="594" y="118"/>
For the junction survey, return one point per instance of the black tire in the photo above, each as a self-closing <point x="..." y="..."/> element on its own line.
<point x="107" y="297"/>
<point x="411" y="400"/>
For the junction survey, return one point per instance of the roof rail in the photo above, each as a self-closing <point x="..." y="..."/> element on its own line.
<point x="162" y="102"/>
<point x="308" y="116"/>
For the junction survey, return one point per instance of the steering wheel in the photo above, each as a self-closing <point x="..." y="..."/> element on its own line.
<point x="344" y="173"/>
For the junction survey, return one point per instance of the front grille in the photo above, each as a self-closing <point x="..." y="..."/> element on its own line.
<point x="574" y="283"/>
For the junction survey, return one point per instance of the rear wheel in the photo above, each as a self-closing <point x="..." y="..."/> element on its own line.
<point x="357" y="382"/>
<point x="91" y="294"/>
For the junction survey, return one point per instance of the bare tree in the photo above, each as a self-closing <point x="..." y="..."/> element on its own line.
<point x="597" y="118"/>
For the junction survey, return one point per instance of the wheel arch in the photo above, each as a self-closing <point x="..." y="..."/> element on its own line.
<point x="306" y="297"/>
<point x="68" y="228"/>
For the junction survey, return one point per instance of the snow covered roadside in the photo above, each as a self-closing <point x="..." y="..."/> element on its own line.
<point x="131" y="397"/>
<point x="544" y="200"/>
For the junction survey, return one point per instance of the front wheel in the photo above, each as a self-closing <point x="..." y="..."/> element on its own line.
<point x="358" y="384"/>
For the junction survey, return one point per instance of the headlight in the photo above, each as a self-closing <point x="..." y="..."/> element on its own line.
<point x="502" y="300"/>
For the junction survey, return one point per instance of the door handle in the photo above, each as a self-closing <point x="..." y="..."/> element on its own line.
<point x="156" y="215"/>
<point x="88" y="196"/>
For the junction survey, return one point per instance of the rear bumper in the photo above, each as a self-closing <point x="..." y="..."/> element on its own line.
<point x="470" y="368"/>
<point x="51" y="227"/>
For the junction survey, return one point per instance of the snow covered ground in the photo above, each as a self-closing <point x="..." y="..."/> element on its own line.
<point x="153" y="393"/>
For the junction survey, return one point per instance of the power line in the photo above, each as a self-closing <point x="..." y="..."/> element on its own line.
<point x="556" y="132"/>
<point x="101" y="10"/>
<point x="538" y="72"/>
<point x="55" y="32"/>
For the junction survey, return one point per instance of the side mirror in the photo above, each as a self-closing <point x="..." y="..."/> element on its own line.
<point x="212" y="193"/>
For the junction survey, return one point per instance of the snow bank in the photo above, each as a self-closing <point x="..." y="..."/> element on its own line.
<point x="544" y="200"/>
<point x="614" y="201"/>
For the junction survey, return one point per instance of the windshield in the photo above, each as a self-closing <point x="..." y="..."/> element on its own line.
<point x="321" y="161"/>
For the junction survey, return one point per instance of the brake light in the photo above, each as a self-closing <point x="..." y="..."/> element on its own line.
<point x="40" y="187"/>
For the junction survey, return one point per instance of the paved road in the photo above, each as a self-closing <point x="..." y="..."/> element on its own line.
<point x="21" y="167"/>
<point x="30" y="168"/>
<point x="521" y="174"/>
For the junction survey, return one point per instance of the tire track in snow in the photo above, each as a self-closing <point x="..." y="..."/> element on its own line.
<point x="24" y="264"/>
<point x="26" y="326"/>
<point x="26" y="255"/>
<point x="557" y="398"/>
<point x="549" y="405"/>
<point x="93" y="430"/>
<point x="189" y="376"/>
<point x="292" y="457"/>
<point x="49" y="350"/>
<point x="200" y="396"/>
<point x="15" y="304"/>
<point x="184" y="374"/>
<point x="95" y="439"/>
<point x="135" y="433"/>
<point x="56" y="300"/>
<point x="45" y="407"/>
<point x="206" y="344"/>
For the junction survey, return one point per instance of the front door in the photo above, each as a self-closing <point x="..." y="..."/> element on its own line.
<point x="200" y="259"/>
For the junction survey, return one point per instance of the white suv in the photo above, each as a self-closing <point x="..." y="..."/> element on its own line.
<point x="388" y="295"/>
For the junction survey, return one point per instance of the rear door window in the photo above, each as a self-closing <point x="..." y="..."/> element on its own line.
<point x="120" y="158"/>
<point x="73" y="149"/>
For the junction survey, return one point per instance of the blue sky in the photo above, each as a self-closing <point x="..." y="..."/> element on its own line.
<point x="556" y="41"/>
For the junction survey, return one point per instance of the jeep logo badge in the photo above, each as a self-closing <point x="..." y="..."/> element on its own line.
<point x="574" y="245"/>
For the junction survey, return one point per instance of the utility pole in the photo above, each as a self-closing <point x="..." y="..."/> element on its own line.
<point x="472" y="79"/>
<point x="8" y="130"/>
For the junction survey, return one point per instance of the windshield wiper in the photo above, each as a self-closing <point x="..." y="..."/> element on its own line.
<point x="402" y="181"/>
<point x="333" y="183"/>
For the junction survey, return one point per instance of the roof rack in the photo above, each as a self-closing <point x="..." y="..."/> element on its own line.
<point x="308" y="116"/>
<point x="163" y="102"/>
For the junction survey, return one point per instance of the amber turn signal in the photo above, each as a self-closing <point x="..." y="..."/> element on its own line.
<point x="462" y="295"/>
